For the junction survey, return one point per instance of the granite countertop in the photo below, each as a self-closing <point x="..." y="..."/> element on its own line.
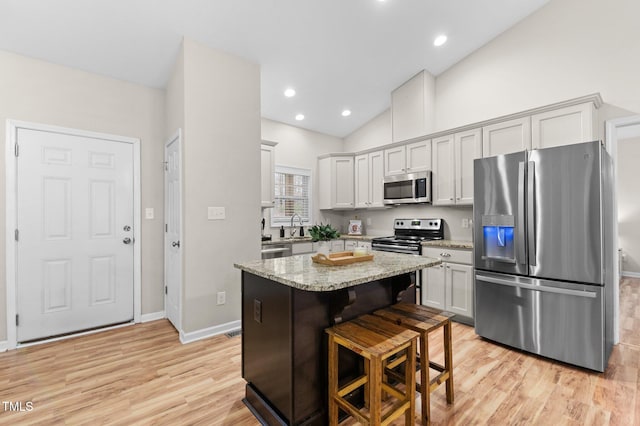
<point x="449" y="244"/>
<point x="302" y="273"/>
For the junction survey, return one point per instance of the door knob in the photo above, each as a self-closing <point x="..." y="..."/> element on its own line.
<point x="127" y="240"/>
<point x="175" y="244"/>
<point x="127" y="228"/>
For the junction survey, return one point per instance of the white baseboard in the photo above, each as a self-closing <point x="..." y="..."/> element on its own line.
<point x="152" y="316"/>
<point x="193" y="336"/>
<point x="631" y="274"/>
<point x="4" y="346"/>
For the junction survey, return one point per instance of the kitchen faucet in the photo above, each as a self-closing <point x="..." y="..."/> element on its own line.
<point x="292" y="230"/>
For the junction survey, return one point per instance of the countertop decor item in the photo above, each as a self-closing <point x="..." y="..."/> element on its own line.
<point x="355" y="227"/>
<point x="323" y="232"/>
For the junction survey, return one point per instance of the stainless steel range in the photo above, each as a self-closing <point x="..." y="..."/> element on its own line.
<point x="409" y="235"/>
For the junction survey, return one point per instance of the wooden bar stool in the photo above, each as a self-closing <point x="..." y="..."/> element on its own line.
<point x="375" y="340"/>
<point x="425" y="320"/>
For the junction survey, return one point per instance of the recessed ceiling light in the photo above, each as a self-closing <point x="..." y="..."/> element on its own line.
<point x="440" y="40"/>
<point x="346" y="113"/>
<point x="289" y="93"/>
<point x="300" y="117"/>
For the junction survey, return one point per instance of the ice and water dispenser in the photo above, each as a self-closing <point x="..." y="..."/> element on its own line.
<point x="498" y="244"/>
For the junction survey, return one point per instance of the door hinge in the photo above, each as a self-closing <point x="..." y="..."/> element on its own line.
<point x="166" y="227"/>
<point x="17" y="151"/>
<point x="17" y="321"/>
<point x="165" y="289"/>
<point x="166" y="165"/>
<point x="16" y="234"/>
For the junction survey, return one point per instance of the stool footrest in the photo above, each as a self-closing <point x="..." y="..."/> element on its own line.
<point x="353" y="385"/>
<point x="351" y="409"/>
<point x="438" y="380"/>
<point x="396" y="411"/>
<point x="393" y="391"/>
<point x="396" y="362"/>
<point x="436" y="366"/>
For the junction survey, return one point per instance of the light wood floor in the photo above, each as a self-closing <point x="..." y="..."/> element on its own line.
<point x="142" y="375"/>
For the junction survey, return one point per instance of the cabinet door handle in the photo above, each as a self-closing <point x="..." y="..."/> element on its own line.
<point x="445" y="254"/>
<point x="451" y="199"/>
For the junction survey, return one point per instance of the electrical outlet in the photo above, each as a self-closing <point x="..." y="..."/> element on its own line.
<point x="222" y="298"/>
<point x="465" y="223"/>
<point x="216" y="213"/>
<point x="368" y="221"/>
<point x="149" y="213"/>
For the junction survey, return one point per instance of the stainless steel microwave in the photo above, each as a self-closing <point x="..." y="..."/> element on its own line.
<point x="408" y="188"/>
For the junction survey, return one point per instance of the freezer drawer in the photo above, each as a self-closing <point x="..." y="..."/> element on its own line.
<point x="562" y="321"/>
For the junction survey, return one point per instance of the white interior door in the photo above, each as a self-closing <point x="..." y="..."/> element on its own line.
<point x="173" y="230"/>
<point x="75" y="218"/>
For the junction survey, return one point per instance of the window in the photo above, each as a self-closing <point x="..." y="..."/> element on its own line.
<point x="292" y="195"/>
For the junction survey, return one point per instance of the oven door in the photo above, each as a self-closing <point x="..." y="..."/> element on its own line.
<point x="396" y="248"/>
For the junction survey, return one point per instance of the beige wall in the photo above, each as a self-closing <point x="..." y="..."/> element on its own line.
<point x="300" y="148"/>
<point x="374" y="133"/>
<point x="41" y="92"/>
<point x="629" y="203"/>
<point x="221" y="168"/>
<point x="567" y="49"/>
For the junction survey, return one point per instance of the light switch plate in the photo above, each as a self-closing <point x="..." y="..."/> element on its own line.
<point x="216" y="213"/>
<point x="149" y="213"/>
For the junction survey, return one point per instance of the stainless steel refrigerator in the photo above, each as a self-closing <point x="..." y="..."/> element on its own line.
<point x="543" y="252"/>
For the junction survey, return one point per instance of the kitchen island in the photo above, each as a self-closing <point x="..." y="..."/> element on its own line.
<point x="286" y="305"/>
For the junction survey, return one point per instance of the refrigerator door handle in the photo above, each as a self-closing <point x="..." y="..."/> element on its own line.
<point x="543" y="288"/>
<point x="531" y="218"/>
<point x="520" y="234"/>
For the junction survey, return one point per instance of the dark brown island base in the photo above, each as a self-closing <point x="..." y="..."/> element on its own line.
<point x="286" y="305"/>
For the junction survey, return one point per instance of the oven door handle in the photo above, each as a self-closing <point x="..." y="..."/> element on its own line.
<point x="396" y="248"/>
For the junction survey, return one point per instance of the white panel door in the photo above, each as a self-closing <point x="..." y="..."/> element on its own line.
<point x="564" y="126"/>
<point x="443" y="171"/>
<point x="376" y="179"/>
<point x="75" y="221"/>
<point x="459" y="288"/>
<point x="362" y="181"/>
<point x="395" y="161"/>
<point x="506" y="137"/>
<point x="173" y="230"/>
<point x="433" y="287"/>
<point x="418" y="156"/>
<point x="468" y="147"/>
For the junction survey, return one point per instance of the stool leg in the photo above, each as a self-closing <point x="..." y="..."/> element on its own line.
<point x="424" y="378"/>
<point x="333" y="381"/>
<point x="410" y="383"/>
<point x="448" y="360"/>
<point x="367" y="369"/>
<point x="375" y="391"/>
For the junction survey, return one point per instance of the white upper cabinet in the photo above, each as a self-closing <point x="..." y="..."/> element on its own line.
<point x="418" y="156"/>
<point x="453" y="157"/>
<point x="369" y="176"/>
<point x="506" y="137"/>
<point x="412" y="107"/>
<point x="468" y="147"/>
<point x="336" y="182"/>
<point x="267" y="173"/>
<point x="443" y="171"/>
<point x="564" y="126"/>
<point x="409" y="158"/>
<point x="395" y="161"/>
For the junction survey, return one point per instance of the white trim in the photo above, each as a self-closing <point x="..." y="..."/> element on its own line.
<point x="153" y="316"/>
<point x="11" y="212"/>
<point x="4" y="346"/>
<point x="71" y="336"/>
<point x="631" y="274"/>
<point x="204" y="333"/>
<point x="611" y="143"/>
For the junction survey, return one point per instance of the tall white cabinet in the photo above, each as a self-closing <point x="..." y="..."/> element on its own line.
<point x="410" y="158"/>
<point x="267" y="173"/>
<point x="453" y="157"/>
<point x="412" y="107"/>
<point x="506" y="137"/>
<point x="336" y="182"/>
<point x="369" y="176"/>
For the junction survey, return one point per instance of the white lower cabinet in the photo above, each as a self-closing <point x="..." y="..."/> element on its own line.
<point x="337" y="245"/>
<point x="449" y="286"/>
<point x="302" y="248"/>
<point x="350" y="245"/>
